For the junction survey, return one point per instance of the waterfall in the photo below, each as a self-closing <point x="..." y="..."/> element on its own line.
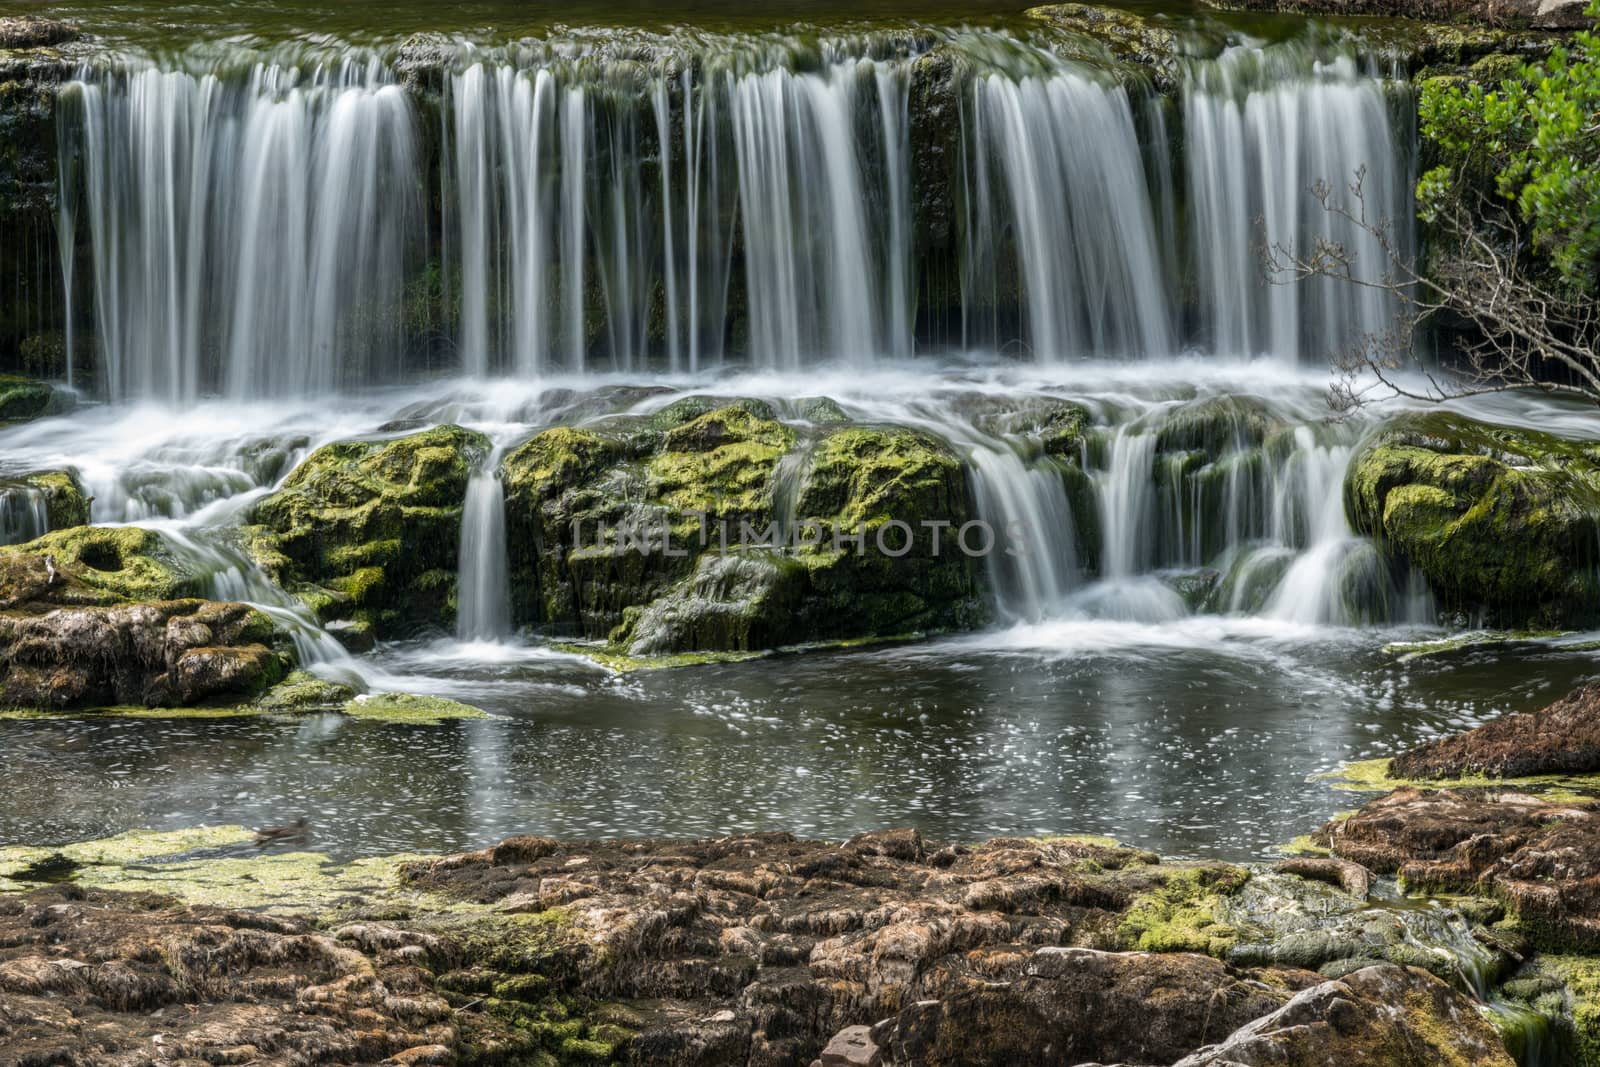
<point x="1034" y="564"/>
<point x="1087" y="261"/>
<point x="262" y="230"/>
<point x="24" y="514"/>
<point x="1260" y="134"/>
<point x="250" y="238"/>
<point x="1127" y="503"/>
<point x="483" y="588"/>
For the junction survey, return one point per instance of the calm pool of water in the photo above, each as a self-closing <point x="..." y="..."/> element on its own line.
<point x="1194" y="739"/>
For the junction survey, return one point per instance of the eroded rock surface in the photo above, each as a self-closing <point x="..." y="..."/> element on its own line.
<point x="760" y="949"/>
<point x="1563" y="738"/>
<point x="1541" y="857"/>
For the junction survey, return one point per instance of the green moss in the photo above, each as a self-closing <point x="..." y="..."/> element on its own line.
<point x="66" y="502"/>
<point x="303" y="691"/>
<point x="371" y="519"/>
<point x="623" y="663"/>
<point x="1482" y="640"/>
<point x="23" y="398"/>
<point x="1218" y="425"/>
<point x="1372" y="776"/>
<point x="1581" y="974"/>
<point x="1502" y="522"/>
<point x="410" y="709"/>
<point x="555" y="459"/>
<point x="720" y="464"/>
<point x="1185" y="913"/>
<point x="101" y="564"/>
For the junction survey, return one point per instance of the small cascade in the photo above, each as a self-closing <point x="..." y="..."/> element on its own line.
<point x="483" y="588"/>
<point x="1127" y="503"/>
<point x="230" y="574"/>
<point x="1261" y="129"/>
<point x="24" y="514"/>
<point x="1087" y="265"/>
<point x="1033" y="565"/>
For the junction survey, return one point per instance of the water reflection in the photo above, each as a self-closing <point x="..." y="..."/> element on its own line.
<point x="1203" y="750"/>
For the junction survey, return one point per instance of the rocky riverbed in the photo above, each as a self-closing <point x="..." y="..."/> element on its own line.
<point x="1439" y="924"/>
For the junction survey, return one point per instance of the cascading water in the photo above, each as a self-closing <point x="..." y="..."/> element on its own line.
<point x="1260" y="133"/>
<point x="24" y="514"/>
<point x="249" y="235"/>
<point x="265" y="231"/>
<point x="1088" y="265"/>
<point x="483" y="590"/>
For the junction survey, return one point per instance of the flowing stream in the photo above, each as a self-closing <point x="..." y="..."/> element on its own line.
<point x="953" y="230"/>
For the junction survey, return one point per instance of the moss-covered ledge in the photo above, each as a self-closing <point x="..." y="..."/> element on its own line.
<point x="1504" y="523"/>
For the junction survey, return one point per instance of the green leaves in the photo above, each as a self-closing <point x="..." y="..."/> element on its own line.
<point x="1533" y="142"/>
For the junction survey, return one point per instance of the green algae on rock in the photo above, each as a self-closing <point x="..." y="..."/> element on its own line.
<point x="371" y="528"/>
<point x="1504" y="524"/>
<point x="410" y="709"/>
<point x="1185" y="912"/>
<point x="1372" y="776"/>
<point x="94" y="565"/>
<point x="665" y="535"/>
<point x="22" y="399"/>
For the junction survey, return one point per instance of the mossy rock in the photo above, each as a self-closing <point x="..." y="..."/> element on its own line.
<point x="1504" y="523"/>
<point x="1218" y="425"/>
<point x="867" y="482"/>
<point x="1123" y="34"/>
<point x="1185" y="912"/>
<point x="22" y="399"/>
<point x="409" y="709"/>
<point x="713" y="571"/>
<point x="739" y="601"/>
<point x="66" y="502"/>
<point x="95" y="565"/>
<point x="303" y="691"/>
<point x="377" y="522"/>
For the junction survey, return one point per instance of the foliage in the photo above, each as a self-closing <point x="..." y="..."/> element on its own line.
<point x="1510" y="203"/>
<point x="1535" y="141"/>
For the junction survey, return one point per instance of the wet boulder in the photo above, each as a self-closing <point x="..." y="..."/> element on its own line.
<point x="1396" y="1016"/>
<point x="1503" y="523"/>
<point x="34" y="504"/>
<point x="162" y="653"/>
<point x="22" y="399"/>
<point x="718" y="529"/>
<point x="1538" y="856"/>
<point x="371" y="529"/>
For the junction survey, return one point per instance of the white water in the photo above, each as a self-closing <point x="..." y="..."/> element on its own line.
<point x="1260" y="136"/>
<point x="24" y="514"/>
<point x="249" y="237"/>
<point x="483" y="590"/>
<point x="264" y="233"/>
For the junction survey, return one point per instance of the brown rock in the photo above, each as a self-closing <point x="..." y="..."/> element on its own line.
<point x="1564" y="738"/>
<point x="34" y="31"/>
<point x="1351" y="877"/>
<point x="1542" y="859"/>
<point x="1073" y="1005"/>
<point x="1395" y="1016"/>
<point x="171" y="652"/>
<point x="851" y="1047"/>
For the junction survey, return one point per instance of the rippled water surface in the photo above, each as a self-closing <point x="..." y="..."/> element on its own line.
<point x="1195" y="740"/>
<point x="1190" y="734"/>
